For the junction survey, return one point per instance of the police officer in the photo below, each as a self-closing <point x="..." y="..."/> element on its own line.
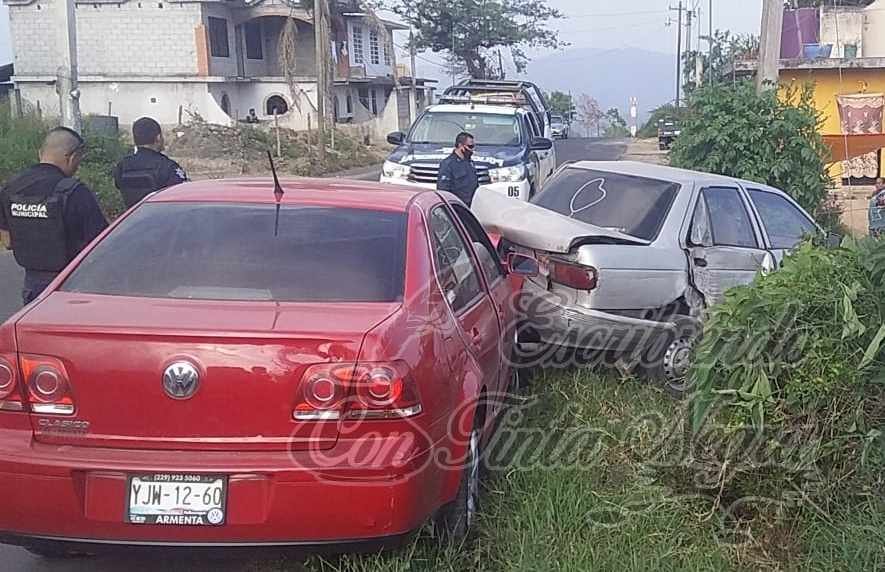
<point x="147" y="169"/>
<point x="457" y="173"/>
<point x="50" y="215"/>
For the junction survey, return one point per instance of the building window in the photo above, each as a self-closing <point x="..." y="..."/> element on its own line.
<point x="225" y="103"/>
<point x="374" y="47"/>
<point x="254" y="47"/>
<point x="387" y="59"/>
<point x="374" y="102"/>
<point x="348" y="104"/>
<point x="218" y="43"/>
<point x="276" y="105"/>
<point x="359" y="55"/>
<point x="364" y="98"/>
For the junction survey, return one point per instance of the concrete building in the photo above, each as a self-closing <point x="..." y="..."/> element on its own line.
<point x="213" y="58"/>
<point x="843" y="57"/>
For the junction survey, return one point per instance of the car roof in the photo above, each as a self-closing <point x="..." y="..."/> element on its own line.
<point x="324" y="192"/>
<point x="474" y="108"/>
<point x="665" y="173"/>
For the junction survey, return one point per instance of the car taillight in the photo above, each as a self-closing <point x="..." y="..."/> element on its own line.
<point x="10" y="394"/>
<point x="573" y="275"/>
<point x="357" y="391"/>
<point x="48" y="386"/>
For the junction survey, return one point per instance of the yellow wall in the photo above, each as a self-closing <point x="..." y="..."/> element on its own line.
<point x="828" y="84"/>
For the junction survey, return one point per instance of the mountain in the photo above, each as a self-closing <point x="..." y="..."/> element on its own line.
<point x="611" y="76"/>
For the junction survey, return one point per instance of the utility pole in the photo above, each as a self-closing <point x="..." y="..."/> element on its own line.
<point x="689" y="14"/>
<point x="453" y="52"/>
<point x="413" y="97"/>
<point x="319" y="37"/>
<point x="68" y="77"/>
<point x="770" y="45"/>
<point x="501" y="65"/>
<point x="712" y="40"/>
<point x="680" y="9"/>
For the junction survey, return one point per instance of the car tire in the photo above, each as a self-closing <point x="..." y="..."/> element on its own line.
<point x="454" y="520"/>
<point x="668" y="363"/>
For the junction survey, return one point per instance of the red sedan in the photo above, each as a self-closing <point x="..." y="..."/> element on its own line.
<point x="213" y="370"/>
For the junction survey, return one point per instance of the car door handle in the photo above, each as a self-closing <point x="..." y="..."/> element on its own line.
<point x="700" y="262"/>
<point x="476" y="338"/>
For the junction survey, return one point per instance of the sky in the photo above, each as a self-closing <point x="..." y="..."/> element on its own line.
<point x="603" y="24"/>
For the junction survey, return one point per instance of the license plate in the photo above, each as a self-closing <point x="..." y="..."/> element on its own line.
<point x="177" y="500"/>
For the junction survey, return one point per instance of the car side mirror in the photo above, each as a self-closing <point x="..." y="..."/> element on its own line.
<point x="396" y="138"/>
<point x="541" y="144"/>
<point x="522" y="265"/>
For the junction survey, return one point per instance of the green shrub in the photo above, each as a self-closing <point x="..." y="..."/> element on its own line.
<point x="773" y="138"/>
<point x="789" y="378"/>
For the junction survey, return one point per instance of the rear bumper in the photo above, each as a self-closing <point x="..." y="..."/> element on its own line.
<point x="518" y="190"/>
<point x="551" y="322"/>
<point x="78" y="495"/>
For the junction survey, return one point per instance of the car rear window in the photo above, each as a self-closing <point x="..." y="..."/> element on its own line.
<point x="229" y="252"/>
<point x="633" y="205"/>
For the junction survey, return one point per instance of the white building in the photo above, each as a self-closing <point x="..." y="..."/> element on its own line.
<point x="215" y="58"/>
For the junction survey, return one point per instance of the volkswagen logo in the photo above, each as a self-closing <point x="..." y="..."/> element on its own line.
<point x="181" y="380"/>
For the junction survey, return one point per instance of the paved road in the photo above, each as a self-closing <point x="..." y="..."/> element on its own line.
<point x="17" y="560"/>
<point x="589" y="150"/>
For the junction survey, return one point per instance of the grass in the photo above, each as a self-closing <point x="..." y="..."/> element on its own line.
<point x="611" y="511"/>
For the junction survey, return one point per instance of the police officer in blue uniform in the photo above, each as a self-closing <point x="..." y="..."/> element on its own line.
<point x="50" y="215"/>
<point x="147" y="169"/>
<point x="457" y="173"/>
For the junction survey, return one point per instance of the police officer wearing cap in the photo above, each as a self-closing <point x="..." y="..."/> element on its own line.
<point x="457" y="173"/>
<point x="147" y="169"/>
<point x="50" y="215"/>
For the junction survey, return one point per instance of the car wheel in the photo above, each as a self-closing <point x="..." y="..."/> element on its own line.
<point x="455" y="519"/>
<point x="671" y="368"/>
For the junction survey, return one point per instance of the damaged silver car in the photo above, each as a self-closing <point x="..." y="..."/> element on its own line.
<point x="633" y="254"/>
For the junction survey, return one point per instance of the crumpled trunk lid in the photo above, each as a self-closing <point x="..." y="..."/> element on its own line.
<point x="538" y="228"/>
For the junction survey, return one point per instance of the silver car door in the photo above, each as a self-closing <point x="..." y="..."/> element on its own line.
<point x="725" y="246"/>
<point x="783" y="221"/>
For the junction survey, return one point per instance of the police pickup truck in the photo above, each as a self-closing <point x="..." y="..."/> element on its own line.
<point x="512" y="157"/>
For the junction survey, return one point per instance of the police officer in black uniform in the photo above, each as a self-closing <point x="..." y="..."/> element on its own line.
<point x="457" y="173"/>
<point x="50" y="215"/>
<point x="147" y="169"/>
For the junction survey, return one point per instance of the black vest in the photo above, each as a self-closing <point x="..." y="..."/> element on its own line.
<point x="137" y="184"/>
<point x="37" y="227"/>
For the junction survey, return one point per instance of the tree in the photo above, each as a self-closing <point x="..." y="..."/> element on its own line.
<point x="589" y="113"/>
<point x="479" y="26"/>
<point x="772" y="138"/>
<point x="561" y="104"/>
<point x="727" y="50"/>
<point x="616" y="125"/>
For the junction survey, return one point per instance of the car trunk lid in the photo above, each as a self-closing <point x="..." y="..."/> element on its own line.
<point x="250" y="357"/>
<point x="539" y="228"/>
